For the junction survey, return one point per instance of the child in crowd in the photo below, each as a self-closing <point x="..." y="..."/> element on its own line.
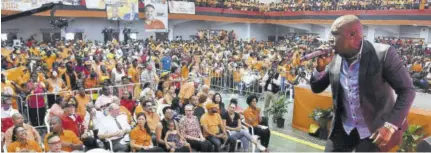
<point x="174" y="140"/>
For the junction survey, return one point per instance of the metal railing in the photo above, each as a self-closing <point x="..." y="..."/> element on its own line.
<point x="33" y="101"/>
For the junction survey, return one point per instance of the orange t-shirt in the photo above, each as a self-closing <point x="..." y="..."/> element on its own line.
<point x="82" y="101"/>
<point x="252" y="116"/>
<point x="155" y="24"/>
<point x="31" y="146"/>
<point x="417" y="68"/>
<point x="67" y="136"/>
<point x="140" y="136"/>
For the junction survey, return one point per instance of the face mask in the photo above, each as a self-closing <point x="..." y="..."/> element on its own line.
<point x="54" y="73"/>
<point x="105" y="112"/>
<point x="6" y="107"/>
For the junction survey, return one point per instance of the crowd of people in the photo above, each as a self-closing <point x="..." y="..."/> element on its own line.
<point x="311" y="5"/>
<point x="150" y="96"/>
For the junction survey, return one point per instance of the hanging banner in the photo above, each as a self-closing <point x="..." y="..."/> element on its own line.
<point x="95" y="4"/>
<point x="122" y="9"/>
<point x="181" y="7"/>
<point x="156" y="16"/>
<point x="24" y="5"/>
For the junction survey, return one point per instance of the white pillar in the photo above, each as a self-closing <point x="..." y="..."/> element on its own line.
<point x="371" y="33"/>
<point x="171" y="31"/>
<point x="63" y="32"/>
<point x="424" y="34"/>
<point x="120" y="27"/>
<point x="276" y="33"/>
<point x="248" y="31"/>
<point x="326" y="32"/>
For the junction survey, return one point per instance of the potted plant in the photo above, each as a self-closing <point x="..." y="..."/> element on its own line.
<point x="278" y="110"/>
<point x="411" y="137"/>
<point x="322" y="117"/>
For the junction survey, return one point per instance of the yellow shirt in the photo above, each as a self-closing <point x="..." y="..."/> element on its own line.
<point x="212" y="122"/>
<point x="82" y="101"/>
<point x="133" y="73"/>
<point x="49" y="60"/>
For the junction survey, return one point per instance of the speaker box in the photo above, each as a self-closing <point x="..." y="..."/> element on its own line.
<point x="424" y="145"/>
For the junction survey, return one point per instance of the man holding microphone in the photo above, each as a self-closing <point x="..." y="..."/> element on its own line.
<point x="362" y="75"/>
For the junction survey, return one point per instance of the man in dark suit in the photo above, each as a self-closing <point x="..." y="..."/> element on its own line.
<point x="362" y="76"/>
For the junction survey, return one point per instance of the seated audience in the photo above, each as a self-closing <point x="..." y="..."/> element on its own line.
<point x="253" y="118"/>
<point x="140" y="136"/>
<point x="6" y="114"/>
<point x="191" y="130"/>
<point x="18" y="120"/>
<point x="105" y="99"/>
<point x="70" y="120"/>
<point x="199" y="109"/>
<point x="54" y="143"/>
<point x="70" y="141"/>
<point x="173" y="139"/>
<point x="216" y="99"/>
<point x="114" y="128"/>
<point x="162" y="129"/>
<point x="232" y="121"/>
<point x="20" y="143"/>
<point x="127" y="101"/>
<point x="214" y="130"/>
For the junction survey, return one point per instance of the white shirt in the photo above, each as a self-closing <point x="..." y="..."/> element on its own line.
<point x="103" y="100"/>
<point x="8" y="113"/>
<point x="110" y="126"/>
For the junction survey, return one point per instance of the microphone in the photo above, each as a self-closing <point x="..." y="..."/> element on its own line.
<point x="316" y="53"/>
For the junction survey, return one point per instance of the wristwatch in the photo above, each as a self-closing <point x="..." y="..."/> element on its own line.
<point x="390" y="127"/>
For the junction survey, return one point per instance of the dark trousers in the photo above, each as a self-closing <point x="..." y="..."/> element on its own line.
<point x="182" y="149"/>
<point x="118" y="147"/>
<point x="52" y="99"/>
<point x="264" y="135"/>
<point x="154" y="149"/>
<point x="37" y="116"/>
<point x="203" y="146"/>
<point x="340" y="141"/>
<point x="90" y="143"/>
<point x="217" y="142"/>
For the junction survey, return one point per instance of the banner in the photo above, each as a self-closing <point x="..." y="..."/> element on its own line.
<point x="156" y="16"/>
<point x="181" y="7"/>
<point x="95" y="4"/>
<point x="24" y="5"/>
<point x="122" y="9"/>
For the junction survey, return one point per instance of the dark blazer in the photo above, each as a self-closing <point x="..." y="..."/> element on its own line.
<point x="381" y="70"/>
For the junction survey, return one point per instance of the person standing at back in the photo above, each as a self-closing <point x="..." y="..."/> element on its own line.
<point x="362" y="75"/>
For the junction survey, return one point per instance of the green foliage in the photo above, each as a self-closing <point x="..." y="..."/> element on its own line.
<point x="411" y="137"/>
<point x="279" y="108"/>
<point x="322" y="116"/>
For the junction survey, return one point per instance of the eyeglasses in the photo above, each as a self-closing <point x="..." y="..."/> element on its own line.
<point x="188" y="110"/>
<point x="55" y="142"/>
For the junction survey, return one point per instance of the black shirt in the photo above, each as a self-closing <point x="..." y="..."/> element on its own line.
<point x="199" y="111"/>
<point x="229" y="122"/>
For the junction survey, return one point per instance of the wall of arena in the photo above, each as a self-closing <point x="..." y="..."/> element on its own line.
<point x="91" y="27"/>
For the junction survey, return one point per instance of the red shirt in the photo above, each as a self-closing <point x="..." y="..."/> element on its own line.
<point x="73" y="125"/>
<point x="128" y="103"/>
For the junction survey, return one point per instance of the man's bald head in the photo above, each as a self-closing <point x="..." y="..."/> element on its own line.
<point x="16" y="115"/>
<point x="346" y="35"/>
<point x="346" y="20"/>
<point x="17" y="119"/>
